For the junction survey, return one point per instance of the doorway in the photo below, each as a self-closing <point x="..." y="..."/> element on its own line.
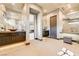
<point x="33" y="24"/>
<point x="31" y="27"/>
<point x="53" y="26"/>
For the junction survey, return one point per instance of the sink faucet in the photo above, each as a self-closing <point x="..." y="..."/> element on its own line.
<point x="3" y="28"/>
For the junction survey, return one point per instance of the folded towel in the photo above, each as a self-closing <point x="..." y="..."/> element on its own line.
<point x="65" y="52"/>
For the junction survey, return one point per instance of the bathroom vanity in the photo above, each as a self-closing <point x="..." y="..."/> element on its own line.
<point x="10" y="37"/>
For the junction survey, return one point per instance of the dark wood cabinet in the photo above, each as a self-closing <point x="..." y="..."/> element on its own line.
<point x="45" y="33"/>
<point x="11" y="37"/>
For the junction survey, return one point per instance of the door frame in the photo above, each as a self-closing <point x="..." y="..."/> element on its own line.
<point x="35" y="13"/>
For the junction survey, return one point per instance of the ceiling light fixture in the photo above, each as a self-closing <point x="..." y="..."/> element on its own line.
<point x="45" y="10"/>
<point x="13" y="3"/>
<point x="71" y="10"/>
<point x="69" y="6"/>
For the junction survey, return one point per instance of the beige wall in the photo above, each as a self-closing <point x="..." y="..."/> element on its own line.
<point x="71" y="27"/>
<point x="60" y="22"/>
<point x="46" y="19"/>
<point x="6" y="22"/>
<point x="60" y="17"/>
<point x="39" y="20"/>
<point x="66" y="26"/>
<point x="2" y="9"/>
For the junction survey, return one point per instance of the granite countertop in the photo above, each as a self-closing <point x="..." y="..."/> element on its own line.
<point x="11" y="31"/>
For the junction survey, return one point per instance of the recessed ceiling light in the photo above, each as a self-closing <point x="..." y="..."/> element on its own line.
<point x="45" y="10"/>
<point x="71" y="10"/>
<point x="13" y="3"/>
<point x="69" y="5"/>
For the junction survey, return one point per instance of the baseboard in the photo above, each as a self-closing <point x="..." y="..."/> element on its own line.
<point x="75" y="41"/>
<point x="38" y="39"/>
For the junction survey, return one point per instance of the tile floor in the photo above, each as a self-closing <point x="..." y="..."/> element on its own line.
<point x="47" y="47"/>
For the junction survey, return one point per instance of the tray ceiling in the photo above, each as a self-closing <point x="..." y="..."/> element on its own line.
<point x="67" y="7"/>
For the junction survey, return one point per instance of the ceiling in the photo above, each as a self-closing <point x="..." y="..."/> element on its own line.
<point x="47" y="7"/>
<point x="15" y="7"/>
<point x="13" y="10"/>
<point x="67" y="8"/>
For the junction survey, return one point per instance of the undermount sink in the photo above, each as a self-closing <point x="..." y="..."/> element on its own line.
<point x="12" y="29"/>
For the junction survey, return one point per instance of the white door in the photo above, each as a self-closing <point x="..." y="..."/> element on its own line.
<point x="31" y="20"/>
